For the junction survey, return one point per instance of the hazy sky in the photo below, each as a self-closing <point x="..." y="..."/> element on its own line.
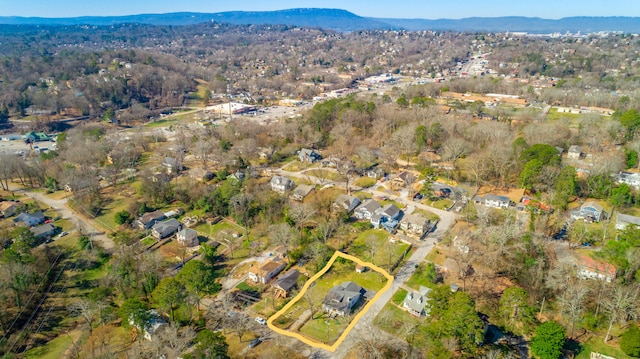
<point x="425" y="9"/>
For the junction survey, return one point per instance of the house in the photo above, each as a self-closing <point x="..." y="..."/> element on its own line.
<point x="238" y="175"/>
<point x="7" y="209"/>
<point x="632" y="179"/>
<point x="367" y="209"/>
<point x="43" y="231"/>
<point x="574" y="152"/>
<point x="188" y="237"/>
<point x="590" y="211"/>
<point x="307" y="155"/>
<point x="491" y="200"/>
<point x="281" y="184"/>
<point x="29" y="219"/>
<point x="589" y="268"/>
<point x="154" y="322"/>
<point x="201" y="174"/>
<point x="346" y="202"/>
<point x="624" y="220"/>
<point x="415" y="224"/>
<point x="387" y="217"/>
<point x="286" y="283"/>
<point x="266" y="271"/>
<point x="404" y="179"/>
<point x="148" y="219"/>
<point x="301" y="192"/>
<point x="343" y="298"/>
<point x="441" y="190"/>
<point x="375" y="173"/>
<point x="172" y="165"/>
<point x="174" y="213"/>
<point x="416" y="302"/>
<point x="33" y="137"/>
<point x="166" y="228"/>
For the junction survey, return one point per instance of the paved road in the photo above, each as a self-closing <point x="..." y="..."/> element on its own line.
<point x="60" y="205"/>
<point x="447" y="220"/>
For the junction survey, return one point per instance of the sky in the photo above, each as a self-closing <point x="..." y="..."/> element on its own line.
<point x="424" y="9"/>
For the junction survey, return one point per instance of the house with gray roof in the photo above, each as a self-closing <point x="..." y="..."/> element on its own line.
<point x="386" y="217"/>
<point x="286" y="283"/>
<point x="343" y="298"/>
<point x="301" y="192"/>
<point x="367" y="209"/>
<point x="590" y="211"/>
<point x="281" y="184"/>
<point x="148" y="219"/>
<point x="307" y="155"/>
<point x="43" y="230"/>
<point x="416" y="302"/>
<point x="624" y="220"/>
<point x="346" y="202"/>
<point x="29" y="219"/>
<point x="166" y="228"/>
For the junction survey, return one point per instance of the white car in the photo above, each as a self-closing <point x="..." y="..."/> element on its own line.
<point x="62" y="234"/>
<point x="261" y="321"/>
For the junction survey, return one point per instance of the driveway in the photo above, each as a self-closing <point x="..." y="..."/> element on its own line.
<point x="60" y="205"/>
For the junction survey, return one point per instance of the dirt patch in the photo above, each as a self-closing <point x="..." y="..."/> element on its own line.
<point x="514" y="194"/>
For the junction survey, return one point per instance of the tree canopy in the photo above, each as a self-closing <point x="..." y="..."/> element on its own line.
<point x="548" y="340"/>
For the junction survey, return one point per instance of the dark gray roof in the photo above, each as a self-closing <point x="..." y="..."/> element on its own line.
<point x="625" y="218"/>
<point x="287" y="280"/>
<point x="390" y="210"/>
<point x="24" y="217"/>
<point x="168" y="225"/>
<point x="44" y="229"/>
<point x="339" y="297"/>
<point x="371" y="205"/>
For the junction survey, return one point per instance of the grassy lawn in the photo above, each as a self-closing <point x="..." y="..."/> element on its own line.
<point x="148" y="242"/>
<point x="398" y="296"/>
<point x="426" y="214"/>
<point x="297" y="166"/>
<point x="441" y="203"/>
<point x="324" y="329"/>
<point x="341" y="271"/>
<point x="246" y="287"/>
<point x="419" y="278"/>
<point x="385" y="253"/>
<point x="54" y="349"/>
<point x="216" y="230"/>
<point x="107" y="215"/>
<point x="326" y="174"/>
<point x="161" y="123"/>
<point x="397" y="322"/>
<point x="596" y="344"/>
<point x="365" y="182"/>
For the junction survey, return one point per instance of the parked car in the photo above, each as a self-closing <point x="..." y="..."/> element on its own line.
<point x="261" y="321"/>
<point x="254" y="343"/>
<point x="62" y="234"/>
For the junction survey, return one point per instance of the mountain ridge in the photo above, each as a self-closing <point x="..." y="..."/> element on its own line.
<point x="343" y="20"/>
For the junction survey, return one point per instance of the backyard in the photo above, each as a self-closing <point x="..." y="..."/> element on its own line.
<point x="320" y="328"/>
<point x="373" y="246"/>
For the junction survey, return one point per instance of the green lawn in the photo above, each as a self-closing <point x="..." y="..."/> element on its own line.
<point x="385" y="253"/>
<point x="398" y="297"/>
<point x="419" y="278"/>
<point x="597" y="345"/>
<point x="365" y="182"/>
<point x="442" y="203"/>
<point x="341" y="271"/>
<point x="54" y="349"/>
<point x="399" y="323"/>
<point x="216" y="230"/>
<point x="324" y="329"/>
<point x="326" y="174"/>
<point x="246" y="287"/>
<point x="297" y="166"/>
<point x="107" y="215"/>
<point x="426" y="214"/>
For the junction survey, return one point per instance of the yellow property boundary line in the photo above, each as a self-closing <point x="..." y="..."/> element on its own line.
<point x="308" y="284"/>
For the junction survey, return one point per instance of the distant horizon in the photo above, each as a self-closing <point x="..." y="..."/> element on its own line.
<point x="408" y="9"/>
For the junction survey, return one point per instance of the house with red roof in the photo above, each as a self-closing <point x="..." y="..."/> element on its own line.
<point x="589" y="268"/>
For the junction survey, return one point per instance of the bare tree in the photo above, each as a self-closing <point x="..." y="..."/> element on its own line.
<point x="301" y="214"/>
<point x="281" y="234"/>
<point x="621" y="307"/>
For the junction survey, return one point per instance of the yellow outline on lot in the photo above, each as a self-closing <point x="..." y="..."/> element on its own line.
<point x="308" y="284"/>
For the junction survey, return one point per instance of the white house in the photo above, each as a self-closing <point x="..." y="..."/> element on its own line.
<point x="416" y="302"/>
<point x="624" y="220"/>
<point x="589" y="268"/>
<point x="632" y="179"/>
<point x="574" y="152"/>
<point x="367" y="209"/>
<point x="265" y="272"/>
<point x="188" y="237"/>
<point x="281" y="184"/>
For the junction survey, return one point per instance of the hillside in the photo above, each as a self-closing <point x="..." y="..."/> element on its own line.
<point x="342" y="20"/>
